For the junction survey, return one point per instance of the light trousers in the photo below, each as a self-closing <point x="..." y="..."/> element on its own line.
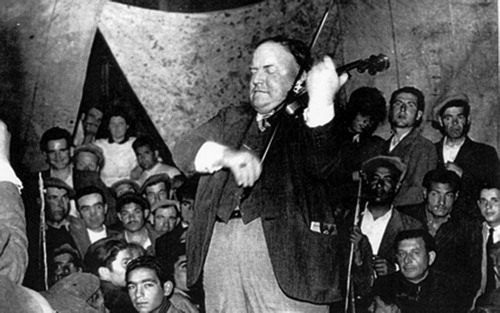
<point x="238" y="275"/>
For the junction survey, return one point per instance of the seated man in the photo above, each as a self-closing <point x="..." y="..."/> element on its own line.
<point x="453" y="232"/>
<point x="165" y="216"/>
<point x="63" y="262"/>
<point x="380" y="222"/>
<point x="418" y="287"/>
<point x="156" y="188"/>
<point x="107" y="259"/>
<point x="149" y="286"/>
<point x="147" y="155"/>
<point x="174" y="230"/>
<point x="133" y="211"/>
<point x="92" y="206"/>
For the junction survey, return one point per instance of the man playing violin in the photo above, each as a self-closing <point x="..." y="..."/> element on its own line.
<point x="258" y="234"/>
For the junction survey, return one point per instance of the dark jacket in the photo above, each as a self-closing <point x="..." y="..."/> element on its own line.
<point x="288" y="196"/>
<point x="480" y="165"/>
<point x="435" y="294"/>
<point x="116" y="299"/>
<point x="458" y="250"/>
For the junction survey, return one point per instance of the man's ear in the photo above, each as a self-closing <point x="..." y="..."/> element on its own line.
<point x="104" y="273"/>
<point x="106" y="209"/>
<point x="168" y="287"/>
<point x="119" y="216"/>
<point x="441" y="121"/>
<point x="146" y="214"/>
<point x="432" y="257"/>
<point x="424" y="192"/>
<point x="419" y="115"/>
<point x="157" y="154"/>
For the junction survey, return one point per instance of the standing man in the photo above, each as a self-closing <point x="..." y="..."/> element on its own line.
<point x="271" y="236"/>
<point x="380" y="221"/>
<point x="476" y="163"/>
<point x="417" y="152"/>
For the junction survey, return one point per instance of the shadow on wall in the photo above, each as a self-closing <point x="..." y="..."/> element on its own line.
<point x="106" y="85"/>
<point x="11" y="87"/>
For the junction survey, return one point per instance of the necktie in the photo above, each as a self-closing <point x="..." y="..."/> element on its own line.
<point x="490" y="271"/>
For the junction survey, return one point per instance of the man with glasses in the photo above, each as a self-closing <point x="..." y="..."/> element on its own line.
<point x="380" y="222"/>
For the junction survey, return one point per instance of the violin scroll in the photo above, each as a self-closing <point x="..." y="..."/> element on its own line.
<point x="297" y="98"/>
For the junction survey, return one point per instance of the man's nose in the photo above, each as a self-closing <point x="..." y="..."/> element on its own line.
<point x="258" y="78"/>
<point x="139" y="292"/>
<point x="403" y="107"/>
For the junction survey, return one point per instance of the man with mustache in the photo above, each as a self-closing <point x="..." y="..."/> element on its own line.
<point x="453" y="232"/>
<point x="476" y="163"/>
<point x="133" y="211"/>
<point x="407" y="106"/>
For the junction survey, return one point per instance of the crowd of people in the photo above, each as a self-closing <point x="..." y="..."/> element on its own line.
<point x="289" y="210"/>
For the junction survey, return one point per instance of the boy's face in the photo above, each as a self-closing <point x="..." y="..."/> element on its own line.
<point x="145" y="290"/>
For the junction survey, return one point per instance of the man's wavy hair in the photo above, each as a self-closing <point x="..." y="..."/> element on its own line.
<point x="297" y="48"/>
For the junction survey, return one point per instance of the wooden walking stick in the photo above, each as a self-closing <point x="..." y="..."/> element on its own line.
<point x="349" y="288"/>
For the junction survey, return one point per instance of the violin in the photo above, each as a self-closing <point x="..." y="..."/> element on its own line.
<point x="297" y="98"/>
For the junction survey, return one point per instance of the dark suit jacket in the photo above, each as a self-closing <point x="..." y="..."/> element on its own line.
<point x="288" y="196"/>
<point x="480" y="165"/>
<point x="419" y="155"/>
<point x="78" y="231"/>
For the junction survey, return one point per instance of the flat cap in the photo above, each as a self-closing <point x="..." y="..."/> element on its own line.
<point x="127" y="181"/>
<point x="166" y="203"/>
<point x="443" y="105"/>
<point x="155" y="179"/>
<point x="392" y="163"/>
<point x="58" y="183"/>
<point x="70" y="294"/>
<point x="89" y="147"/>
